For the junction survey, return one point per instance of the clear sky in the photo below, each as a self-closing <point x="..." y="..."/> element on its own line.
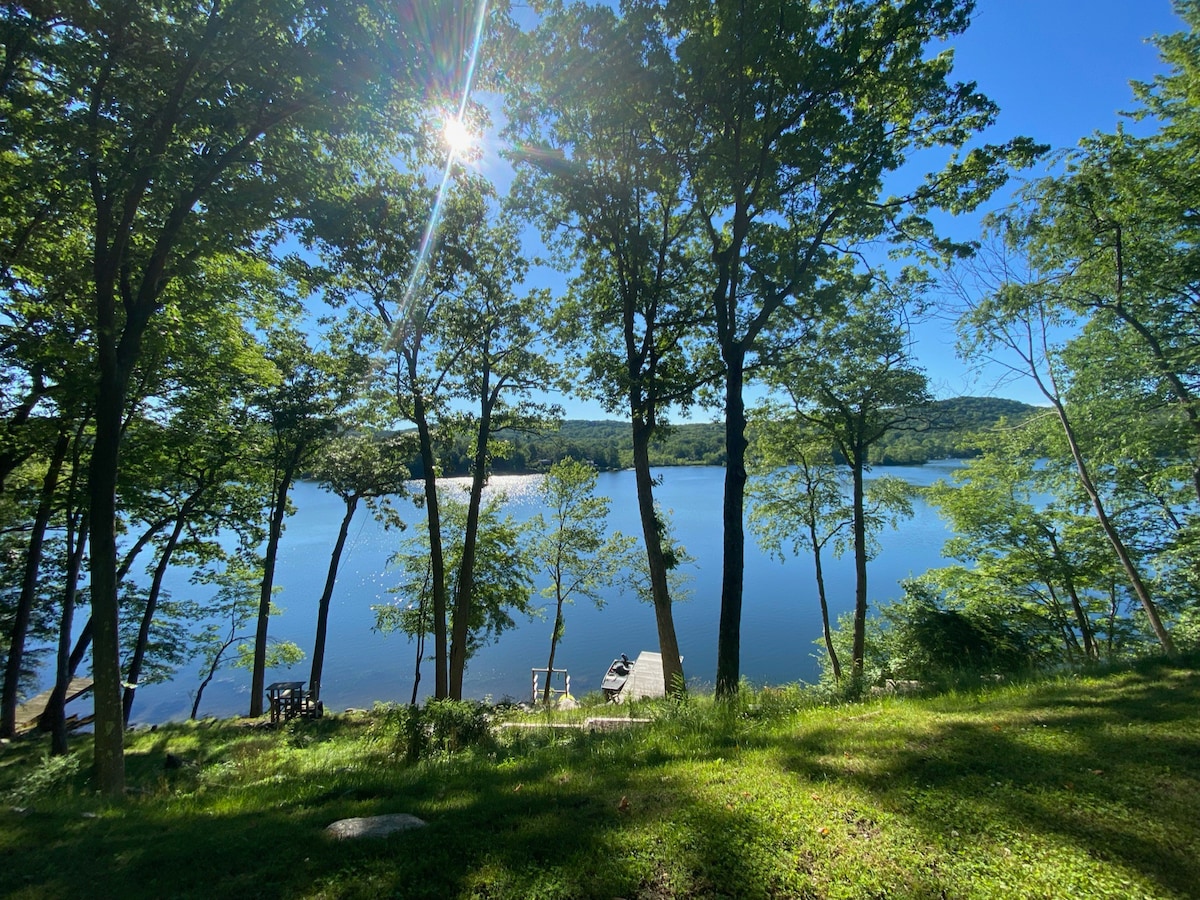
<point x="1059" y="70"/>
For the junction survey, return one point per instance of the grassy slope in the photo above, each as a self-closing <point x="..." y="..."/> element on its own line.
<point x="1083" y="787"/>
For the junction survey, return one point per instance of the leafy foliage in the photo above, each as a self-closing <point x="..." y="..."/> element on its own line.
<point x="502" y="586"/>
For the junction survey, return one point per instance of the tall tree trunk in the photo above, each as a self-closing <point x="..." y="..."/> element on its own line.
<point x="318" y="659"/>
<point x="29" y="584"/>
<point x="465" y="584"/>
<point x="858" y="652"/>
<point x="54" y="718"/>
<point x="278" y="511"/>
<point x="554" y="636"/>
<point x="826" y="630"/>
<point x="652" y="532"/>
<point x="108" y="738"/>
<point x="1110" y="531"/>
<point x="437" y="558"/>
<point x="134" y="672"/>
<point x="729" y="636"/>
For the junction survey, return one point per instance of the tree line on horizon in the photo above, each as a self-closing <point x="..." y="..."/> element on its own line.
<point x="235" y="251"/>
<point x="941" y="430"/>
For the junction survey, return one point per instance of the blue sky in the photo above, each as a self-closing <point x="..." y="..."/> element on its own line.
<point x="1059" y="70"/>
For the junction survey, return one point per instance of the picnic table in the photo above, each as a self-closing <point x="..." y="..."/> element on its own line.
<point x="288" y="699"/>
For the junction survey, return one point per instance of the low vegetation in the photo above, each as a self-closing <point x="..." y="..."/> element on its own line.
<point x="1077" y="786"/>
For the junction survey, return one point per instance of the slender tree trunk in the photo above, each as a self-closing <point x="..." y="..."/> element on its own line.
<point x="1070" y="641"/>
<point x="420" y="648"/>
<point x="108" y="738"/>
<point x="278" y="511"/>
<point x="1090" y="648"/>
<point x="212" y="671"/>
<point x="465" y="585"/>
<point x="554" y="636"/>
<point x="729" y="636"/>
<point x="143" y="639"/>
<point x="318" y="658"/>
<point x="652" y="532"/>
<point x="826" y="630"/>
<point x="29" y="584"/>
<point x="1114" y="538"/>
<point x="860" y="563"/>
<point x="54" y="719"/>
<point x="437" y="558"/>
<point x="84" y="641"/>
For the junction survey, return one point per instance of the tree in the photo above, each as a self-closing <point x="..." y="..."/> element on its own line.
<point x="1029" y="550"/>
<point x="790" y="116"/>
<point x="299" y="414"/>
<point x="570" y="546"/>
<point x="501" y="579"/>
<point x="238" y="579"/>
<point x="605" y="189"/>
<point x="1113" y="234"/>
<point x="176" y="133"/>
<point x="194" y="480"/>
<point x="797" y="497"/>
<point x="26" y="602"/>
<point x="854" y="382"/>
<point x="1007" y="310"/>
<point x="492" y="334"/>
<point x="395" y="279"/>
<point x="355" y="467"/>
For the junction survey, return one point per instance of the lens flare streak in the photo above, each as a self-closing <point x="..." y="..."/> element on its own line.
<point x="431" y="228"/>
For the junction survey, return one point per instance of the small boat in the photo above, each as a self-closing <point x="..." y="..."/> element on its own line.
<point x="615" y="678"/>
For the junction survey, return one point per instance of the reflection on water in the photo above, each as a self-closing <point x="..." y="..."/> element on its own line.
<point x="780" y="624"/>
<point x="518" y="490"/>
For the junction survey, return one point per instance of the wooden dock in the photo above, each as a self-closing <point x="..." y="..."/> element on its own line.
<point x="646" y="679"/>
<point x="29" y="713"/>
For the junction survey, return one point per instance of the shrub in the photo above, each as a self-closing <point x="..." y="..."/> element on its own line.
<point x="920" y="637"/>
<point x="439" y="727"/>
<point x="926" y="640"/>
<point x="55" y="774"/>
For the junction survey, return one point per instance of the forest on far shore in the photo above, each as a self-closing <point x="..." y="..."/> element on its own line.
<point x="935" y="431"/>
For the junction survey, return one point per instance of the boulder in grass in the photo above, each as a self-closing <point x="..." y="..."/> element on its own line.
<point x="373" y="826"/>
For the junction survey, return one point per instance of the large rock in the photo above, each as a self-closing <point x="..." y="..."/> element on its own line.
<point x="373" y="826"/>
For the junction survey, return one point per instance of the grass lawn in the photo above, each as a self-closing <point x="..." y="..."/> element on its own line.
<point x="1077" y="787"/>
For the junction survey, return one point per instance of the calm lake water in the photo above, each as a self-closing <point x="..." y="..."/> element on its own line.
<point x="780" y="621"/>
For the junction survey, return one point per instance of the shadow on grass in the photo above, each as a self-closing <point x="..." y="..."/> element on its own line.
<point x="653" y="814"/>
<point x="1093" y="769"/>
<point x="517" y="827"/>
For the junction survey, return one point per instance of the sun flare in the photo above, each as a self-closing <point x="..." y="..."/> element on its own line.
<point x="458" y="136"/>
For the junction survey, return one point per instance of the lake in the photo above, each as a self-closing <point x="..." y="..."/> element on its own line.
<point x="780" y="619"/>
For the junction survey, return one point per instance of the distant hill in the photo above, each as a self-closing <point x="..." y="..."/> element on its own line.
<point x="938" y="432"/>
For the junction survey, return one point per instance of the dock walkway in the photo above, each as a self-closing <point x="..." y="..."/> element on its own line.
<point x="29" y="713"/>
<point x="646" y="679"/>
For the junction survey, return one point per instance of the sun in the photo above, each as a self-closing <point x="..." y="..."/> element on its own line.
<point x="458" y="136"/>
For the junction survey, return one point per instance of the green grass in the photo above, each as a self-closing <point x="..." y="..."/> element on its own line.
<point x="1078" y="787"/>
